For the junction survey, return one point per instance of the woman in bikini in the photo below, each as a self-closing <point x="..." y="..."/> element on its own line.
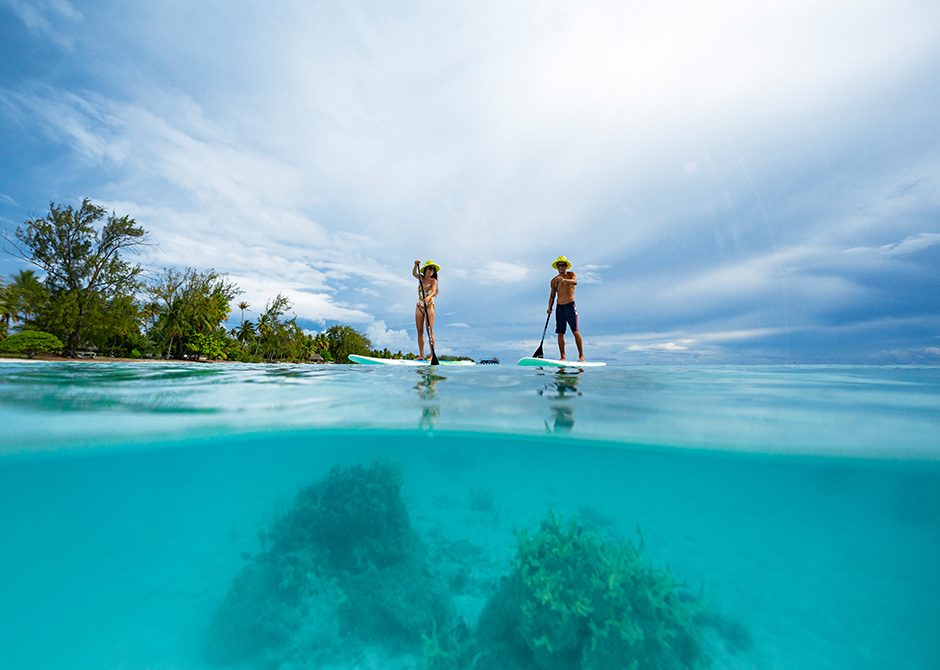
<point x="428" y="279"/>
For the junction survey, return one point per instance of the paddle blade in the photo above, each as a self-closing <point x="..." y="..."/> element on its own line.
<point x="434" y="360"/>
<point x="539" y="353"/>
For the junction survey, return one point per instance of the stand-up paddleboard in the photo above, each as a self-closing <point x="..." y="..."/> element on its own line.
<point x="530" y="361"/>
<point x="370" y="360"/>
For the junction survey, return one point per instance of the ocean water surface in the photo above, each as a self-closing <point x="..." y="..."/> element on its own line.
<point x="225" y="516"/>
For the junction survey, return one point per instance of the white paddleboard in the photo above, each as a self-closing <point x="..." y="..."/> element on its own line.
<point x="370" y="360"/>
<point x="529" y="361"/>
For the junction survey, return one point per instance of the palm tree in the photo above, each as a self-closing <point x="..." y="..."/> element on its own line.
<point x="245" y="332"/>
<point x="22" y="298"/>
<point x="7" y="307"/>
<point x="243" y="305"/>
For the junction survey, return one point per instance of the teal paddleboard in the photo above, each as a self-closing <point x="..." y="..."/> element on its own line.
<point x="532" y="362"/>
<point x="371" y="360"/>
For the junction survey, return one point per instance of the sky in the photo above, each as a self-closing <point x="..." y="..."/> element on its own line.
<point x="734" y="182"/>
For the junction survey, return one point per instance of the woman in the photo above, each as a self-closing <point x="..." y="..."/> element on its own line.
<point x="428" y="279"/>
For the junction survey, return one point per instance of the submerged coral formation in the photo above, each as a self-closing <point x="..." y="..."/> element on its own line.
<point x="343" y="574"/>
<point x="577" y="602"/>
<point x="342" y="569"/>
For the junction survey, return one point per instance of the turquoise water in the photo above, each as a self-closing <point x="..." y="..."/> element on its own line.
<point x="143" y="508"/>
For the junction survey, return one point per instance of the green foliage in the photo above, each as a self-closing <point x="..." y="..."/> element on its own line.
<point x="207" y="345"/>
<point x="23" y="298"/>
<point x="275" y="338"/>
<point x="112" y="326"/>
<point x="575" y="601"/>
<point x="184" y="304"/>
<point x="344" y="340"/>
<point x="31" y="343"/>
<point x="88" y="296"/>
<point x="80" y="252"/>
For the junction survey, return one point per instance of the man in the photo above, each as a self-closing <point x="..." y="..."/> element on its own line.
<point x="566" y="314"/>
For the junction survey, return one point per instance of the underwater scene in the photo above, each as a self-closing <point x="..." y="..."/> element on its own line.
<point x="236" y="516"/>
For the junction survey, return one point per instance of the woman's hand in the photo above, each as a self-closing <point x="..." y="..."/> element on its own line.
<point x="417" y="262"/>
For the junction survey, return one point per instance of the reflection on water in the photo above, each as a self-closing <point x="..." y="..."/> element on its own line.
<point x="561" y="419"/>
<point x="833" y="411"/>
<point x="427" y="392"/>
<point x="562" y="386"/>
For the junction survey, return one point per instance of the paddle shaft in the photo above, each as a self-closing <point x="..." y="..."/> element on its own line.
<point x="427" y="320"/>
<point x="538" y="352"/>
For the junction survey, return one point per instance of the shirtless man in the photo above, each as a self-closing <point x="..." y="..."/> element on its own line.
<point x="566" y="314"/>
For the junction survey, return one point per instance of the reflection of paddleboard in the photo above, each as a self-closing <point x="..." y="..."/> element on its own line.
<point x="529" y="361"/>
<point x="369" y="360"/>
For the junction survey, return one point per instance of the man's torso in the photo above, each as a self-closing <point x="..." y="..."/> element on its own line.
<point x="564" y="289"/>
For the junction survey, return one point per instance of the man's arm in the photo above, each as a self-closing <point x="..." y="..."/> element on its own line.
<point x="570" y="278"/>
<point x="551" y="296"/>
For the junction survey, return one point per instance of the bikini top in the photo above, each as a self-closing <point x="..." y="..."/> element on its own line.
<point x="426" y="290"/>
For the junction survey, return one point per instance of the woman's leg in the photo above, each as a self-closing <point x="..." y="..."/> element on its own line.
<point x="419" y="324"/>
<point x="431" y="324"/>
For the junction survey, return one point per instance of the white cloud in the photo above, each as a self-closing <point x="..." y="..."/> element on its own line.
<point x="698" y="163"/>
<point x="381" y="337"/>
<point x="909" y="245"/>
<point x="658" y="346"/>
<point x="316" y="306"/>
<point x="501" y="272"/>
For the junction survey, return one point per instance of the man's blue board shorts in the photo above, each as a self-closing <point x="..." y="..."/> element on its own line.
<point x="566" y="314"/>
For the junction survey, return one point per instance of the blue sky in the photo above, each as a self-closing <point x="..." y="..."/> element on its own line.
<point x="736" y="182"/>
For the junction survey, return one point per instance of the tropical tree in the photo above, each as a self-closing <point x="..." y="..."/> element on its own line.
<point x="80" y="252"/>
<point x="25" y="297"/>
<point x="344" y="340"/>
<point x="245" y="332"/>
<point x="243" y="305"/>
<point x="183" y="304"/>
<point x="7" y="309"/>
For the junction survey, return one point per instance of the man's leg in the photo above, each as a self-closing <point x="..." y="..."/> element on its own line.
<point x="561" y="345"/>
<point x="577" y="339"/>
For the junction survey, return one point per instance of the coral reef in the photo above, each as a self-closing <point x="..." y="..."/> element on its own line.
<point x="576" y="602"/>
<point x="342" y="569"/>
<point x="342" y="578"/>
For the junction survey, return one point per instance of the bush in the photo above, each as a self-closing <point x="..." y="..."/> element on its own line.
<point x="209" y="345"/>
<point x="577" y="602"/>
<point x="30" y="343"/>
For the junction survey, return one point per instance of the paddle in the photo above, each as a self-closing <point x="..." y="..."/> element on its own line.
<point x="427" y="322"/>
<point x="538" y="352"/>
